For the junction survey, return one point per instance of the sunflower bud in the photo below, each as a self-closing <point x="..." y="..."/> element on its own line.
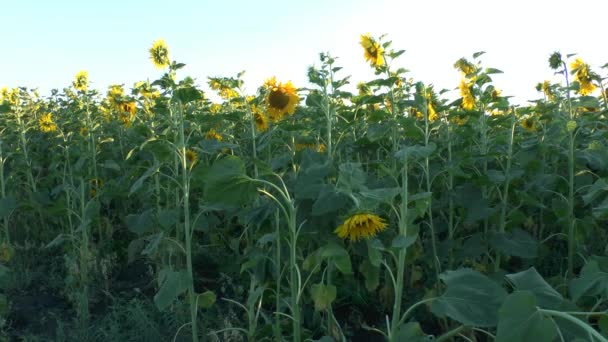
<point x="571" y="126"/>
<point x="555" y="61"/>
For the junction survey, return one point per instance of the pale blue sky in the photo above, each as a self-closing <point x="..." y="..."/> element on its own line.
<point x="44" y="43"/>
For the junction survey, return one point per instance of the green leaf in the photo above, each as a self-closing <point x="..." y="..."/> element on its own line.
<point x="187" y="94"/>
<point x="471" y="298"/>
<point x="7" y="205"/>
<point x="515" y="243"/>
<point x="593" y="280"/>
<point x="351" y="178"/>
<point x="520" y="320"/>
<point x="470" y="197"/>
<point x="530" y="280"/>
<point x="401" y="241"/>
<point x="374" y="248"/>
<point x="490" y="71"/>
<point x="173" y="284"/>
<point x="338" y="255"/>
<point x="227" y="184"/>
<point x="416" y="151"/>
<point x="110" y="164"/>
<point x="385" y="195"/>
<point x="371" y="274"/>
<point x="411" y="332"/>
<point x="323" y="295"/>
<point x="168" y="217"/>
<point x="140" y="223"/>
<point x="600" y="187"/>
<point x="329" y="201"/>
<point x="139" y="182"/>
<point x="206" y="299"/>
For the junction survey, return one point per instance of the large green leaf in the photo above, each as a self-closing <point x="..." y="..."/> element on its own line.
<point x="140" y="223"/>
<point x="515" y="243"/>
<point x="371" y="274"/>
<point x="531" y="280"/>
<point x="7" y="205"/>
<point x="520" y="320"/>
<point x="329" y="201"/>
<point x="471" y="298"/>
<point x="323" y="295"/>
<point x="187" y="94"/>
<point x="227" y="184"/>
<point x="173" y="284"/>
<point x="351" y="178"/>
<point x="593" y="280"/>
<point x="411" y="332"/>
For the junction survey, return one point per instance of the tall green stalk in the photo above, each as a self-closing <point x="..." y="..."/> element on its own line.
<point x="5" y="228"/>
<point x="403" y="218"/>
<point x="505" y="191"/>
<point x="187" y="228"/>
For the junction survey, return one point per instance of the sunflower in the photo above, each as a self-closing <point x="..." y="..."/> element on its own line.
<point x="6" y="252"/>
<point x="528" y="123"/>
<point x="361" y="226"/>
<point x="465" y="67"/>
<point x="191" y="157"/>
<point x="546" y="89"/>
<point x="95" y="185"/>
<point x="281" y="99"/>
<point x="223" y="89"/>
<point x="159" y="53"/>
<point x="4" y="94"/>
<point x="581" y="72"/>
<point x="363" y="89"/>
<point x="372" y="51"/>
<point x="81" y="81"/>
<point x="468" y="100"/>
<point x="432" y="113"/>
<point x="213" y="135"/>
<point x="126" y="113"/>
<point x="261" y="123"/>
<point x="46" y="124"/>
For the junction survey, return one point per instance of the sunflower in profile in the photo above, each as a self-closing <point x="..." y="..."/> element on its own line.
<point x="46" y="124"/>
<point x="281" y="99"/>
<point x="581" y="73"/>
<point x="261" y="123"/>
<point x="81" y="82"/>
<point x="126" y="113"/>
<point x="191" y="157"/>
<point x="361" y="226"/>
<point x="372" y="51"/>
<point x="159" y="53"/>
<point x="468" y="100"/>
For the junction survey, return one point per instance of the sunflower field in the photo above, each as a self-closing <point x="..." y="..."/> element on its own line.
<point x="385" y="213"/>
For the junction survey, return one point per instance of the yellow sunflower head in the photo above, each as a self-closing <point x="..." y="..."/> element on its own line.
<point x="6" y="252"/>
<point x="363" y="89"/>
<point x="361" y="226"/>
<point x="159" y="54"/>
<point x="528" y="123"/>
<point x="372" y="51"/>
<point x="46" y="124"/>
<point x="191" y="157"/>
<point x="261" y="123"/>
<point x="95" y="185"/>
<point x="468" y="100"/>
<point x="213" y="135"/>
<point x="281" y="99"/>
<point x="81" y="81"/>
<point x="581" y="73"/>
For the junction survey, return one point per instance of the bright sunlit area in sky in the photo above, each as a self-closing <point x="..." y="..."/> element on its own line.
<point x="45" y="43"/>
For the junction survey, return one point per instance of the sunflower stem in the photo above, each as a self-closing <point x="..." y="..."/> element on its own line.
<point x="505" y="192"/>
<point x="403" y="219"/>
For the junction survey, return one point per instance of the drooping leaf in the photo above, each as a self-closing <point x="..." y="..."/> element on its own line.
<point x="226" y="183"/>
<point x="173" y="283"/>
<point x="471" y="298"/>
<point x="531" y="280"/>
<point x="323" y="295"/>
<point x="520" y="320"/>
<point x="593" y="280"/>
